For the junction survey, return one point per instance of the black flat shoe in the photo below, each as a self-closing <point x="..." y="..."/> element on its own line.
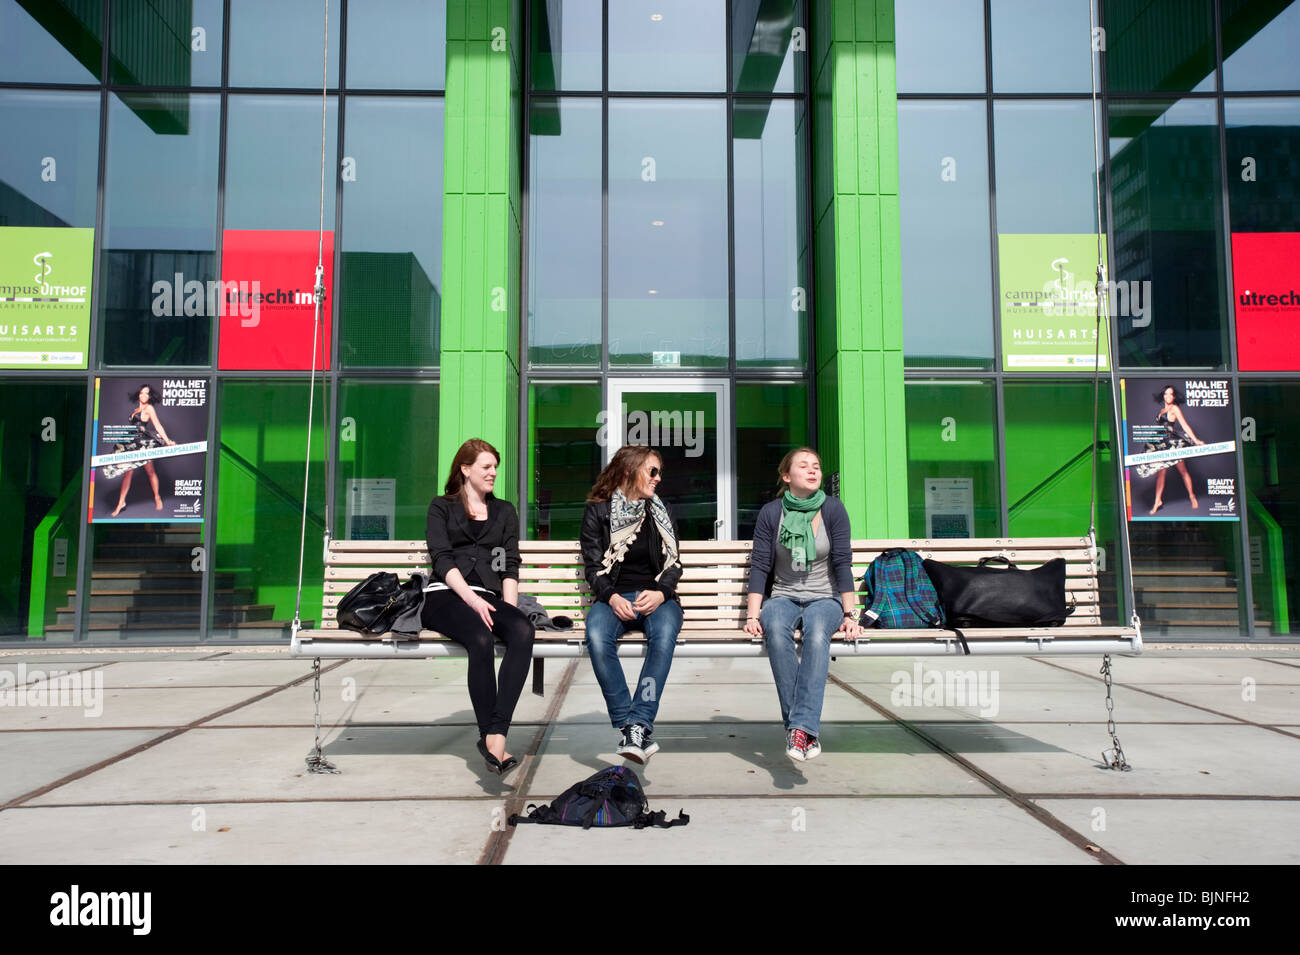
<point x="493" y="764"/>
<point x="510" y="763"/>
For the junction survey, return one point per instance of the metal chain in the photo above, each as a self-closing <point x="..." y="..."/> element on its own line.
<point x="316" y="761"/>
<point x="1113" y="758"/>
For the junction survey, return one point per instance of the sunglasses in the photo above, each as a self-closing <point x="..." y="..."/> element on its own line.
<point x="655" y="472"/>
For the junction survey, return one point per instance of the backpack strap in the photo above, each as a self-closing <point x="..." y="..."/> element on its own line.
<point x="659" y="821"/>
<point x="961" y="637"/>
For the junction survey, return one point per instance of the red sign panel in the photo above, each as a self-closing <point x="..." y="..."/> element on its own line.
<point x="1266" y="286"/>
<point x="268" y="309"/>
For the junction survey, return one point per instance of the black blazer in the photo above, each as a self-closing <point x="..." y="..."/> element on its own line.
<point x="595" y="541"/>
<point x="493" y="555"/>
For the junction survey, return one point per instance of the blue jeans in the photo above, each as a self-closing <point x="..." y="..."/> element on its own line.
<point x="661" y="629"/>
<point x="800" y="683"/>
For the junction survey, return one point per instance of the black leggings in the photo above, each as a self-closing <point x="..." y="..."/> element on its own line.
<point x="493" y="699"/>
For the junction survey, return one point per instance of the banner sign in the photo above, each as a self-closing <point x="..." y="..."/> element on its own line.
<point x="269" y="307"/>
<point x="45" y="296"/>
<point x="1266" y="288"/>
<point x="1180" y="449"/>
<point x="149" y="450"/>
<point x="1048" y="288"/>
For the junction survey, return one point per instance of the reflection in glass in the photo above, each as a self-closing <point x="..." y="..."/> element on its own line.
<point x="1167" y="203"/>
<point x="564" y="457"/>
<point x="172" y="44"/>
<point x="1259" y="45"/>
<point x="273" y="162"/>
<point x="160" y="221"/>
<point x="42" y="42"/>
<point x="1263" y="139"/>
<point x="1045" y="165"/>
<point x="392" y="240"/>
<point x="1041" y="47"/>
<point x="396" y="44"/>
<point x="668" y="231"/>
<point x="770" y="420"/>
<point x="1272" y="462"/>
<point x="952" y="469"/>
<point x="566" y="41"/>
<point x="1160" y="46"/>
<point x="281" y="43"/>
<point x="682" y="427"/>
<point x="50" y="159"/>
<point x="943" y="198"/>
<point x="771" y="233"/>
<point x="765" y="56"/>
<point x="940" y="46"/>
<point x="564" y="224"/>
<point x="667" y="46"/>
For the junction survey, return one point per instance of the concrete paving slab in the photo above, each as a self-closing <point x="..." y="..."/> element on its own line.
<point x="125" y="707"/>
<point x="257" y="673"/>
<point x="341" y="704"/>
<point x="385" y="833"/>
<point x="438" y="672"/>
<point x="25" y="671"/>
<point x="731" y="702"/>
<point x="32" y="760"/>
<point x="1206" y="760"/>
<point x="106" y="655"/>
<point x="1188" y="831"/>
<point x="1181" y="669"/>
<point x="749" y="759"/>
<point x="792" y="831"/>
<point x="684" y="670"/>
<point x="1269" y="703"/>
<point x="266" y="764"/>
<point x="1012" y="669"/>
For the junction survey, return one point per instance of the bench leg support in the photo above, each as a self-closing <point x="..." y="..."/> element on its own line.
<point x="539" y="675"/>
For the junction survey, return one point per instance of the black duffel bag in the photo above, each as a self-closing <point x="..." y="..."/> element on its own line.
<point x="380" y="604"/>
<point x="984" y="596"/>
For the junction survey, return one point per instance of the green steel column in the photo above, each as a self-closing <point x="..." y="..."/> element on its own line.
<point x="479" y="392"/>
<point x="858" y="282"/>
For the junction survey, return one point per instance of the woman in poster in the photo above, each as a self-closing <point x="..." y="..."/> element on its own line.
<point x="149" y="434"/>
<point x="1178" y="434"/>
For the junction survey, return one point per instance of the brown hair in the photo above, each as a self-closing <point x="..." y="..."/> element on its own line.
<point x="465" y="457"/>
<point x="619" y="472"/>
<point x="787" y="462"/>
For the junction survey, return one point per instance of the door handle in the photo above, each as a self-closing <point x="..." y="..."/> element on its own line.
<point x="717" y="526"/>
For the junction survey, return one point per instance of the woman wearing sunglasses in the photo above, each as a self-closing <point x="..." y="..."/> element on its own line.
<point x="629" y="554"/>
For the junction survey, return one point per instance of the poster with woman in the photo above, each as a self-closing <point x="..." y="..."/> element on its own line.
<point x="1180" y="449"/>
<point x="149" y="450"/>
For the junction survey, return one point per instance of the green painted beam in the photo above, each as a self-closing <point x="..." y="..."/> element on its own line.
<point x="858" y="281"/>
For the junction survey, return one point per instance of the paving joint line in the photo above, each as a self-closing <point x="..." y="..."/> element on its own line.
<point x="1035" y="811"/>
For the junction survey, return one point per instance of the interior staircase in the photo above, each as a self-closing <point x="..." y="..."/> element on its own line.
<point x="1184" y="586"/>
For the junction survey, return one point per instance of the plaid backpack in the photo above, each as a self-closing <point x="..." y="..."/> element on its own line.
<point x="899" y="592"/>
<point x="611" y="797"/>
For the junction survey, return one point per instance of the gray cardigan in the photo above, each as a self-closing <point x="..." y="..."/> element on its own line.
<point x="765" y="535"/>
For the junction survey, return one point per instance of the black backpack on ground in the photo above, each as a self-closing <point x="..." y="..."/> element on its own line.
<point x="611" y="797"/>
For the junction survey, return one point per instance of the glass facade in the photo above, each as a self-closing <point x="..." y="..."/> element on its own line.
<point x="622" y="209"/>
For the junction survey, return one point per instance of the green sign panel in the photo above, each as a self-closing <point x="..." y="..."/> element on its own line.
<point x="45" y="296"/>
<point x="1049" y="302"/>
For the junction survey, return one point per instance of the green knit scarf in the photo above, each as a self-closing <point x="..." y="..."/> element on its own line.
<point x="796" y="527"/>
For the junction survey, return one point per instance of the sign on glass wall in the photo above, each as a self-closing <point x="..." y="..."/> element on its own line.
<point x="269" y="308"/>
<point x="1266" y="287"/>
<point x="149" y="448"/>
<point x="45" y="296"/>
<point x="1049" y="302"/>
<point x="1180" y="449"/>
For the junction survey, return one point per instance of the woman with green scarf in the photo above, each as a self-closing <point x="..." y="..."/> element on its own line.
<point x="801" y="574"/>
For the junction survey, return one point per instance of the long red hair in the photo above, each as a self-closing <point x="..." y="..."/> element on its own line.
<point x="465" y="458"/>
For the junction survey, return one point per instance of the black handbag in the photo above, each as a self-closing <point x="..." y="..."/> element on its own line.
<point x="984" y="596"/>
<point x="374" y="606"/>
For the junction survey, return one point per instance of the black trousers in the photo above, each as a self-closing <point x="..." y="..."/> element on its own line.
<point x="493" y="697"/>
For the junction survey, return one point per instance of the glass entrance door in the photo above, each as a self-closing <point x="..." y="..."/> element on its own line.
<point x="688" y="422"/>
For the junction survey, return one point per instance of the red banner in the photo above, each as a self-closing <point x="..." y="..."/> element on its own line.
<point x="1266" y="286"/>
<point x="268" y="310"/>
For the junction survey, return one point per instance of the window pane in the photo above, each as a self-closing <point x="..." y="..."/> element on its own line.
<point x="770" y="420"/>
<point x="952" y="466"/>
<point x="160" y="224"/>
<point x="566" y="42"/>
<point x="944" y="201"/>
<point x="765" y="57"/>
<point x="1159" y="46"/>
<point x="1041" y="47"/>
<point x="563" y="457"/>
<point x="172" y="44"/>
<point x="940" y="46"/>
<point x="564" y="225"/>
<point x="1272" y="463"/>
<point x="51" y="42"/>
<point x="281" y="43"/>
<point x="384" y="483"/>
<point x="1168" y="208"/>
<point x="667" y="45"/>
<point x="40" y="496"/>
<point x="50" y="159"/>
<point x="262" y="444"/>
<point x="1045" y="163"/>
<point x="397" y="44"/>
<point x="392" y="242"/>
<point x="771" y="234"/>
<point x="273" y="162"/>
<point x="1259" y="44"/>
<point x="668" y="231"/>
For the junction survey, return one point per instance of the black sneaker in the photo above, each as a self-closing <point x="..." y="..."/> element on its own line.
<point x="630" y="744"/>
<point x="648" y="746"/>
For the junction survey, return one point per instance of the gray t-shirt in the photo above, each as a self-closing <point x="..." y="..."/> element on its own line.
<point x="803" y="584"/>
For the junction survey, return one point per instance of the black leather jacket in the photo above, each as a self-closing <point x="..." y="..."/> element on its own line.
<point x="595" y="541"/>
<point x="494" y="555"/>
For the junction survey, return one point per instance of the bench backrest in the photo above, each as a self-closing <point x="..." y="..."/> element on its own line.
<point x="714" y="573"/>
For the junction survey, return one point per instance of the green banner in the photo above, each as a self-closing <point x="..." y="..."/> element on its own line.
<point x="45" y="296"/>
<point x="1049" y="302"/>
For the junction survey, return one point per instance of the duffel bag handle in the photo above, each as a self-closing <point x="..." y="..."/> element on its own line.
<point x="994" y="560"/>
